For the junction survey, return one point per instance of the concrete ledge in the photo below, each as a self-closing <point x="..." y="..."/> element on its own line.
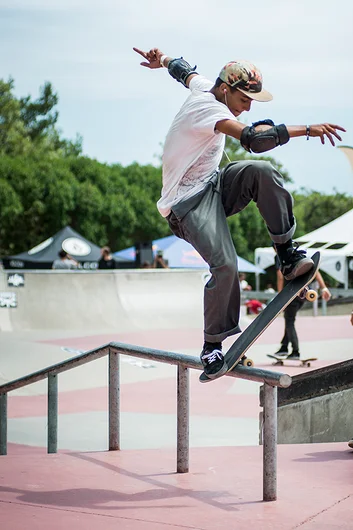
<point x="323" y="419"/>
<point x="316" y="383"/>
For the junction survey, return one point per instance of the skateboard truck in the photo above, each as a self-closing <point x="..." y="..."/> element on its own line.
<point x="308" y="294"/>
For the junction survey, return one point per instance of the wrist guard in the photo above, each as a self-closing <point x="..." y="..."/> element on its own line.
<point x="255" y="141"/>
<point x="180" y="70"/>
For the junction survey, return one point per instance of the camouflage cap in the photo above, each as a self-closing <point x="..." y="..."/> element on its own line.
<point x="246" y="78"/>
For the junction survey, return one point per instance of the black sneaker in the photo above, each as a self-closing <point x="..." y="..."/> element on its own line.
<point x="294" y="356"/>
<point x="281" y="355"/>
<point x="294" y="262"/>
<point x="213" y="362"/>
<point x="282" y="352"/>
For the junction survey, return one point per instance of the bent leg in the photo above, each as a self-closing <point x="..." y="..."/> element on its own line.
<point x="259" y="181"/>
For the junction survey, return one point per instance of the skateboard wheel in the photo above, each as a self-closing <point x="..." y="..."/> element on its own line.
<point x="311" y="295"/>
<point x="308" y="365"/>
<point x="248" y="362"/>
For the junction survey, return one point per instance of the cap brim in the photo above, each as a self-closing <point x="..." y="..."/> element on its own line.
<point x="258" y="96"/>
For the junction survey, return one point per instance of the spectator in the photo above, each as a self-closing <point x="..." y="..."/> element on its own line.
<point x="244" y="286"/>
<point x="159" y="262"/>
<point x="65" y="261"/>
<point x="106" y="261"/>
<point x="254" y="307"/>
<point x="269" y="289"/>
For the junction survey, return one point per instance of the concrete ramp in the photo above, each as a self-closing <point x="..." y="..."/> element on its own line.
<point x="121" y="300"/>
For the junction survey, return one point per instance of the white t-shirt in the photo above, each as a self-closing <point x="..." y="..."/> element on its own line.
<point x="193" y="147"/>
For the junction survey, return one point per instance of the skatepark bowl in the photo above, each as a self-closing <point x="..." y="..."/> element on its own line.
<point x="54" y="399"/>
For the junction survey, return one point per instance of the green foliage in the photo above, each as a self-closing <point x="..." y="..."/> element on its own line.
<point x="313" y="209"/>
<point x="38" y="116"/>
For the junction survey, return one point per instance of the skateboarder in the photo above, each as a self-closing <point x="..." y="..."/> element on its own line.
<point x="290" y="335"/>
<point x="197" y="198"/>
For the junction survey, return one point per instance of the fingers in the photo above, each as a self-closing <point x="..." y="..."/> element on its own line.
<point x="337" y="127"/>
<point x="328" y="130"/>
<point x="332" y="130"/>
<point x="140" y="52"/>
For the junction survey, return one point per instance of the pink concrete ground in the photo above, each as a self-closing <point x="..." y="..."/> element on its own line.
<point x="139" y="490"/>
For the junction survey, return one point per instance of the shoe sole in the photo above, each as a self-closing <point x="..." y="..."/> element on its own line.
<point x="221" y="372"/>
<point x="301" y="268"/>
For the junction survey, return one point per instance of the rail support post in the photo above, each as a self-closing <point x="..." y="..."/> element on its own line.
<point x="3" y="424"/>
<point x="270" y="443"/>
<point x="183" y="420"/>
<point x="114" y="401"/>
<point x="52" y="442"/>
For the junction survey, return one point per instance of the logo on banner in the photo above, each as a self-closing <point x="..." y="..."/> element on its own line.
<point x="15" y="280"/>
<point x="8" y="300"/>
<point x="75" y="246"/>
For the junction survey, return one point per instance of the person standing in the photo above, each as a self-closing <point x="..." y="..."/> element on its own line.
<point x="197" y="198"/>
<point x="290" y="336"/>
<point x="106" y="262"/>
<point x="65" y="261"/>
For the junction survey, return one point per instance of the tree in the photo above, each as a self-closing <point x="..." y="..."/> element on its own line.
<point x="28" y="127"/>
<point x="313" y="209"/>
<point x="38" y="116"/>
<point x="14" y="138"/>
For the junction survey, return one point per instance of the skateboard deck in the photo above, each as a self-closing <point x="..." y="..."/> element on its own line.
<point x="280" y="361"/>
<point x="293" y="288"/>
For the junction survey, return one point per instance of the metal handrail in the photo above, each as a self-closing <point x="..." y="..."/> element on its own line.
<point x="184" y="362"/>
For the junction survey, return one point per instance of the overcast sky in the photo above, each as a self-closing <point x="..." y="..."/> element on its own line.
<point x="123" y="111"/>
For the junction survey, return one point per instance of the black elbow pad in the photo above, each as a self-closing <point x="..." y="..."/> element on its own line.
<point x="255" y="141"/>
<point x="180" y="70"/>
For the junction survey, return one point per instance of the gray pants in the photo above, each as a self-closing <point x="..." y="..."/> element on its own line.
<point x="202" y="221"/>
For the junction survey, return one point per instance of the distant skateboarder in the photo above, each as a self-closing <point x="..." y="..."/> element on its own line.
<point x="290" y="336"/>
<point x="197" y="198"/>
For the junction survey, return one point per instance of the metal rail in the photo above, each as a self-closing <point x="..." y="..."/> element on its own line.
<point x="271" y="380"/>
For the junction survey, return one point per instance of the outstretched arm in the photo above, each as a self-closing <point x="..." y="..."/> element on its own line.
<point x="155" y="58"/>
<point x="261" y="137"/>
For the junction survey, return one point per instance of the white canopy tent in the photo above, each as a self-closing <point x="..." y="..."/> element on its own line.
<point x="335" y="243"/>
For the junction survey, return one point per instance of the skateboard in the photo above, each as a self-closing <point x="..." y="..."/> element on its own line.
<point x="296" y="287"/>
<point x="281" y="360"/>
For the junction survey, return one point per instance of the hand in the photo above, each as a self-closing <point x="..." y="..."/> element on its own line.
<point x="325" y="293"/>
<point x="153" y="57"/>
<point x="326" y="129"/>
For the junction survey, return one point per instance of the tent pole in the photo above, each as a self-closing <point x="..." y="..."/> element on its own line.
<point x="346" y="281"/>
<point x="257" y="281"/>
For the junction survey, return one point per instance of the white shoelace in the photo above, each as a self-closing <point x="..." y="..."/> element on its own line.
<point x="212" y="357"/>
